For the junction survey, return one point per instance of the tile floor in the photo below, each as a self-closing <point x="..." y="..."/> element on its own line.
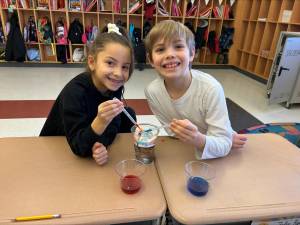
<point x="44" y="83"/>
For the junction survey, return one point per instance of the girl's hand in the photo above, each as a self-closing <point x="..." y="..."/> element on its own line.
<point x="109" y="109"/>
<point x="187" y="132"/>
<point x="100" y="153"/>
<point x="238" y="140"/>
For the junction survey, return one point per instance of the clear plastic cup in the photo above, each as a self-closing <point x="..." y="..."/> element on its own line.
<point x="145" y="135"/>
<point x="198" y="176"/>
<point x="130" y="172"/>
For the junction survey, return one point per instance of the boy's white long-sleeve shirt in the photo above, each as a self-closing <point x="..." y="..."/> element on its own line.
<point x="203" y="104"/>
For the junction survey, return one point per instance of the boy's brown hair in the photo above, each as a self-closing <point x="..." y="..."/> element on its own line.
<point x="167" y="30"/>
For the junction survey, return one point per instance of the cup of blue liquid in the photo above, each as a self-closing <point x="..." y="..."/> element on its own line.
<point x="198" y="176"/>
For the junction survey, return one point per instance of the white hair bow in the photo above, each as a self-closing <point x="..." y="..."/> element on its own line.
<point x="113" y="28"/>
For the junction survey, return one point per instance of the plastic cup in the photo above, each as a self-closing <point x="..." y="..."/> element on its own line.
<point x="198" y="176"/>
<point x="144" y="135"/>
<point x="130" y="172"/>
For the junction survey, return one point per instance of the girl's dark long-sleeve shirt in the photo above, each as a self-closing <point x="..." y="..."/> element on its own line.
<point x="73" y="112"/>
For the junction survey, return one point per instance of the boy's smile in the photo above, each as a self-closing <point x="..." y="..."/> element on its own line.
<point x="171" y="58"/>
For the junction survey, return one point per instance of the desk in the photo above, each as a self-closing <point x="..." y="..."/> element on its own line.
<point x="262" y="181"/>
<point x="40" y="175"/>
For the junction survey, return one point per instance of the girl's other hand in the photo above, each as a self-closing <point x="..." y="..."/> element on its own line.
<point x="187" y="132"/>
<point x="100" y="153"/>
<point x="109" y="109"/>
<point x="238" y="140"/>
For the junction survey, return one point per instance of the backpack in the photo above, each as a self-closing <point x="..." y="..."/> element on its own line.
<point x="45" y="30"/>
<point x="30" y="34"/>
<point x="138" y="46"/>
<point x="75" y="32"/>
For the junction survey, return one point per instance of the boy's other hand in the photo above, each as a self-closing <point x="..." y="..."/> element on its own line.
<point x="238" y="140"/>
<point x="100" y="153"/>
<point x="187" y="132"/>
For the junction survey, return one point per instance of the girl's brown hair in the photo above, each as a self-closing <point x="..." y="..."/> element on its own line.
<point x="105" y="38"/>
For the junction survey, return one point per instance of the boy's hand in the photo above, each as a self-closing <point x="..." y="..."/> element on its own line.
<point x="100" y="153"/>
<point x="238" y="140"/>
<point x="109" y="109"/>
<point x="187" y="132"/>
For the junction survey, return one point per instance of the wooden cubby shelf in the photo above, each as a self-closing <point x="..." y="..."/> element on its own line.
<point x="197" y="14"/>
<point x="258" y="27"/>
<point x="257" y="24"/>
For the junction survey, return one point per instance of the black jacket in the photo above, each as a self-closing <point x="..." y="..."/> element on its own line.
<point x="73" y="112"/>
<point x="15" y="48"/>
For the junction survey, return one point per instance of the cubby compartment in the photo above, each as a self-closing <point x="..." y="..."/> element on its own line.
<point x="135" y="7"/>
<point x="107" y="6"/>
<point x="237" y="59"/>
<point x="267" y="40"/>
<point x="285" y="14"/>
<point x="177" y="10"/>
<point x="210" y="57"/>
<point x="90" y="20"/>
<point x="104" y="18"/>
<point x="24" y="17"/>
<point x="294" y="28"/>
<point x="242" y="35"/>
<point x="48" y="52"/>
<point x="296" y="13"/>
<point x="274" y="10"/>
<point x="244" y="60"/>
<point x="119" y="6"/>
<point x="246" y="9"/>
<point x="255" y="9"/>
<point x="252" y="63"/>
<point x="191" y="23"/>
<point x="79" y="53"/>
<point x="249" y="36"/>
<point x="191" y="9"/>
<point x="279" y="28"/>
<point x="260" y="66"/>
<point x="256" y="41"/>
<point x="215" y="25"/>
<point x="268" y="69"/>
<point x="164" y="8"/>
<point x="199" y="56"/>
<point x="205" y="10"/>
<point x="217" y="9"/>
<point x="232" y="10"/>
<point x="264" y="10"/>
<point x="121" y="20"/>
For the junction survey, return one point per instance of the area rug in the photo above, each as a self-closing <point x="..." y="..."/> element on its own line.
<point x="240" y="118"/>
<point x="290" y="131"/>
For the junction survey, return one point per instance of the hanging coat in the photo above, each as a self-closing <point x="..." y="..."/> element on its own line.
<point x="15" y="48"/>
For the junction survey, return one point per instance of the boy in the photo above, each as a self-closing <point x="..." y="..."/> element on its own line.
<point x="190" y="101"/>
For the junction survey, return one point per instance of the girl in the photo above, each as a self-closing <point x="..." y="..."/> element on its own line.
<point x="85" y="111"/>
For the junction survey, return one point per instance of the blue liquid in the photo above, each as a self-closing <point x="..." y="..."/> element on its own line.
<point x="197" y="186"/>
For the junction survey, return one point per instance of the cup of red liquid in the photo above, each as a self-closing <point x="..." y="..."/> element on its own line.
<point x="130" y="172"/>
<point x="198" y="176"/>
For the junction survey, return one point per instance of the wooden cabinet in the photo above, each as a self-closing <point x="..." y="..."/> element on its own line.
<point x="195" y="14"/>
<point x="259" y="25"/>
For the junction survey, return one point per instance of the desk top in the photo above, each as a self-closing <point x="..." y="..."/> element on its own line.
<point x="261" y="181"/>
<point x="40" y="175"/>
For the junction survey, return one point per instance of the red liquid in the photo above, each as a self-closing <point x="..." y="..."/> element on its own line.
<point x="131" y="184"/>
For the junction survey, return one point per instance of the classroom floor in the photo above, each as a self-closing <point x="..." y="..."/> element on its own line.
<point x="44" y="83"/>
